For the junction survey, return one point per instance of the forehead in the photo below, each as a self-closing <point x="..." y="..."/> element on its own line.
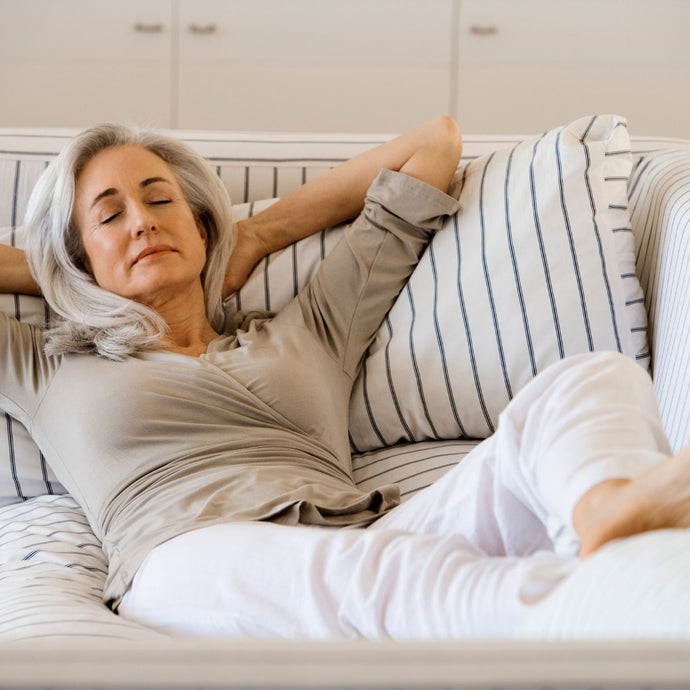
<point x="120" y="167"/>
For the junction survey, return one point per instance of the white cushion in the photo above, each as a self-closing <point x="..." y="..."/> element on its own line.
<point x="632" y="588"/>
<point x="537" y="265"/>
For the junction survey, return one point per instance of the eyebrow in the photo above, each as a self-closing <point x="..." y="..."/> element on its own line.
<point x="111" y="191"/>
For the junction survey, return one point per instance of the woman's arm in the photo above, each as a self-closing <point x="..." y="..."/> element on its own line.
<point x="430" y="153"/>
<point x="14" y="272"/>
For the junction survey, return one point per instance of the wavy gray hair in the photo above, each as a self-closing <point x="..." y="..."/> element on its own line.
<point x="91" y="319"/>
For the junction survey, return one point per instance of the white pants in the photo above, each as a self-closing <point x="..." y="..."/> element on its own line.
<point x="466" y="557"/>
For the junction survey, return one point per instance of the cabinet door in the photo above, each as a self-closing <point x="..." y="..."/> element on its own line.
<point x="77" y="62"/>
<point x="313" y="65"/>
<point x="528" y="65"/>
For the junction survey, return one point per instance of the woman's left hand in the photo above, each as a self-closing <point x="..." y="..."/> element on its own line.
<point x="248" y="251"/>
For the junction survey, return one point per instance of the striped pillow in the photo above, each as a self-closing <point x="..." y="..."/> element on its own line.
<point x="281" y="275"/>
<point x="537" y="265"/>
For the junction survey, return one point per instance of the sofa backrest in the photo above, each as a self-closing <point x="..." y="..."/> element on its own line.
<point x="252" y="166"/>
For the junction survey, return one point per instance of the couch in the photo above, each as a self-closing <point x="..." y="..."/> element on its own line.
<point x="575" y="239"/>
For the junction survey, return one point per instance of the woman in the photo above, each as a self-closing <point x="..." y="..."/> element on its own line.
<point x="212" y="459"/>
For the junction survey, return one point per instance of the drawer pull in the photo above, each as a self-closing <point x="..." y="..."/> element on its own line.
<point x="478" y="30"/>
<point x="143" y="28"/>
<point x="203" y="30"/>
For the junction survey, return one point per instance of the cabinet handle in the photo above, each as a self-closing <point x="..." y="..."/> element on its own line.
<point x="203" y="30"/>
<point x="483" y="30"/>
<point x="143" y="28"/>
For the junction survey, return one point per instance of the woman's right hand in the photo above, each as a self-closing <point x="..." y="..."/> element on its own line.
<point x="430" y="152"/>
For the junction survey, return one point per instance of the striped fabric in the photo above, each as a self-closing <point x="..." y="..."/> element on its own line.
<point x="52" y="572"/>
<point x="537" y="265"/>
<point x="24" y="471"/>
<point x="51" y="566"/>
<point x="412" y="466"/>
<point x="284" y="273"/>
<point x="660" y="209"/>
<point x="252" y="166"/>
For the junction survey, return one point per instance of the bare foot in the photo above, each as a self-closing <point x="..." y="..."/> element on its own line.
<point x="657" y="499"/>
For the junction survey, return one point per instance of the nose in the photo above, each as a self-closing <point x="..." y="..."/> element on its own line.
<point x="145" y="229"/>
<point x="143" y="222"/>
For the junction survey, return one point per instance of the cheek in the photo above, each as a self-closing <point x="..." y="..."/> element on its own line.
<point x="201" y="245"/>
<point x="101" y="259"/>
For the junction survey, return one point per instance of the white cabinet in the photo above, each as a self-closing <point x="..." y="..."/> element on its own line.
<point x="310" y="65"/>
<point x="76" y="62"/>
<point x="302" y="65"/>
<point x="500" y="66"/>
<point x="527" y="65"/>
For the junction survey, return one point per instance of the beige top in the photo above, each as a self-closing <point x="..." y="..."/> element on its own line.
<point x="255" y="429"/>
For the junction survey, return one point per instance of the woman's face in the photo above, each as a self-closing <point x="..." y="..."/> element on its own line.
<point x="140" y="236"/>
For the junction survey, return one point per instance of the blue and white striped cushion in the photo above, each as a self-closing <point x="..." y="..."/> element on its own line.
<point x="52" y="571"/>
<point x="412" y="466"/>
<point x="281" y="275"/>
<point x="537" y="265"/>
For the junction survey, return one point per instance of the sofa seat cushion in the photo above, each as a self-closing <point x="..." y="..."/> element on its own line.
<point x="634" y="588"/>
<point x="52" y="571"/>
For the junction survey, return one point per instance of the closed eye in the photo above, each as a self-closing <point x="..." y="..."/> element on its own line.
<point x="161" y="201"/>
<point x="107" y="220"/>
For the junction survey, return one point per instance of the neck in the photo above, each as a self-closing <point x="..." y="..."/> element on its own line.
<point x="189" y="335"/>
<point x="187" y="341"/>
<point x="189" y="330"/>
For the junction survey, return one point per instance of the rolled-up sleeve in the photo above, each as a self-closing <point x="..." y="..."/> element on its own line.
<point x="360" y="279"/>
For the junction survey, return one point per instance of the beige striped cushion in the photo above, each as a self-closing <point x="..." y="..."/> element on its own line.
<point x="537" y="265"/>
<point x="52" y="571"/>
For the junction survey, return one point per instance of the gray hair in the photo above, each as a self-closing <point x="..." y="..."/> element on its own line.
<point x="89" y="318"/>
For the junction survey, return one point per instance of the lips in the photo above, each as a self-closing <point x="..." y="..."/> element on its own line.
<point x="153" y="251"/>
